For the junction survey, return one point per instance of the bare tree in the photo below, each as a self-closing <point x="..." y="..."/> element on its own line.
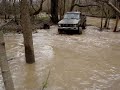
<point x="7" y="79"/>
<point x="27" y="32"/>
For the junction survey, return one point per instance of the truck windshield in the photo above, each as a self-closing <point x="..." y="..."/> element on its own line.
<point x="72" y="16"/>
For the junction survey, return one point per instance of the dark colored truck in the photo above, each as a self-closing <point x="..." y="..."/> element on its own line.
<point x="72" y="21"/>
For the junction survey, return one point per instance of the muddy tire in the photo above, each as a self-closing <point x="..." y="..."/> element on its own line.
<point x="60" y="31"/>
<point x="84" y="25"/>
<point x="79" y="31"/>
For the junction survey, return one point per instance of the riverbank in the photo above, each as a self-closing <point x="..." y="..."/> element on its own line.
<point x="12" y="26"/>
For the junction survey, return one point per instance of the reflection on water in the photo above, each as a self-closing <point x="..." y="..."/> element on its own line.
<point x="90" y="61"/>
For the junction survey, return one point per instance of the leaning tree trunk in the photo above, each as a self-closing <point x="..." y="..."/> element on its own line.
<point x="107" y="19"/>
<point x="117" y="18"/>
<point x="7" y="79"/>
<point x="27" y="32"/>
<point x="116" y="24"/>
<point x="54" y="11"/>
<point x="114" y="8"/>
<point x="106" y="22"/>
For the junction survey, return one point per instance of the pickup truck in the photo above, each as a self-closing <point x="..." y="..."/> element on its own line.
<point x="72" y="21"/>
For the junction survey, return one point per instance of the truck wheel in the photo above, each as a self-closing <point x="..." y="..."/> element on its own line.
<point x="84" y="25"/>
<point x="79" y="30"/>
<point x="59" y="31"/>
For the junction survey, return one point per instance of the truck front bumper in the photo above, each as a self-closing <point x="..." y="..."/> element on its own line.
<point x="68" y="28"/>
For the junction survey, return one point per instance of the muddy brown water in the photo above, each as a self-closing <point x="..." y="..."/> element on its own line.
<point x="90" y="61"/>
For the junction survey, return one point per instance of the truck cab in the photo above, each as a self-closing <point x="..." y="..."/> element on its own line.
<point x="72" y="21"/>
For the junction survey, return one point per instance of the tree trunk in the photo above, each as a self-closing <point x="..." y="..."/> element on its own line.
<point x="107" y="20"/>
<point x="108" y="23"/>
<point x="101" y="28"/>
<point x="7" y="79"/>
<point x="64" y="7"/>
<point x="54" y="11"/>
<point x="117" y="17"/>
<point x="15" y="15"/>
<point x="61" y="8"/>
<point x="116" y="24"/>
<point x="27" y="32"/>
<point x="4" y="8"/>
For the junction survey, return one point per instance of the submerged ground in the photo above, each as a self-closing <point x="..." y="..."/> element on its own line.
<point x="90" y="61"/>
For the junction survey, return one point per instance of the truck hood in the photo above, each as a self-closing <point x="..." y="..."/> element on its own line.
<point x="69" y="21"/>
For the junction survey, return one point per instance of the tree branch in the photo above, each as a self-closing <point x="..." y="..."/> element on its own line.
<point x="115" y="8"/>
<point x="78" y="5"/>
<point x="39" y="10"/>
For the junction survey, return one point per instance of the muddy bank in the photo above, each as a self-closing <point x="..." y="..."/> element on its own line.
<point x="14" y="27"/>
<point x="39" y="24"/>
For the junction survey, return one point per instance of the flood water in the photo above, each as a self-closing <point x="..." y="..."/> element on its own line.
<point x="90" y="61"/>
